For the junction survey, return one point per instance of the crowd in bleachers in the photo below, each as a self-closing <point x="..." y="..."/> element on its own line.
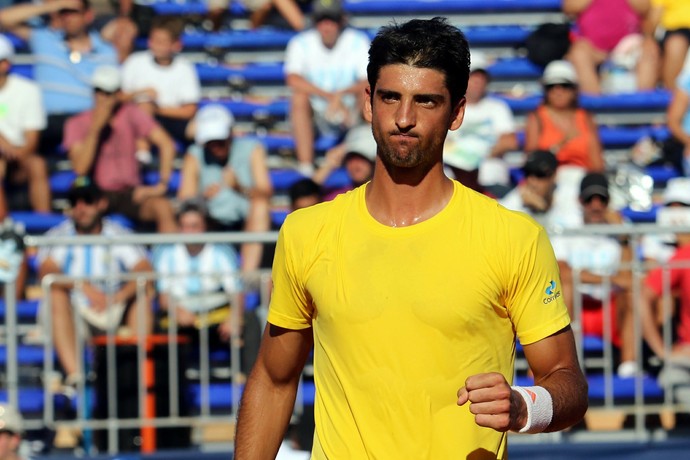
<point x="120" y="114"/>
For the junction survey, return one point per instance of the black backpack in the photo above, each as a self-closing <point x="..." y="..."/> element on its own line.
<point x="548" y="42"/>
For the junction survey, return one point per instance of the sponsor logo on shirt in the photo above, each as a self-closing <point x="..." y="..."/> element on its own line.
<point x="551" y="292"/>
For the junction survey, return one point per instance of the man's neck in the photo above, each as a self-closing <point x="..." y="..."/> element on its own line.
<point x="3" y="80"/>
<point x="163" y="62"/>
<point x="399" y="197"/>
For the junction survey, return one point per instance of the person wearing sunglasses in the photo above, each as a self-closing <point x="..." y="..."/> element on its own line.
<point x="588" y="261"/>
<point x="11" y="424"/>
<point x="560" y="126"/>
<point x="100" y="304"/>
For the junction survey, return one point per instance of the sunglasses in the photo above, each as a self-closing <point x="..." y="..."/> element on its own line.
<point x="560" y="85"/>
<point x="69" y="11"/>
<point x="107" y="93"/>
<point x="603" y="199"/>
<point x="86" y="199"/>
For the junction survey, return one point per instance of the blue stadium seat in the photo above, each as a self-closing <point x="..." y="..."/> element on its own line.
<point x="220" y="395"/>
<point x="37" y="222"/>
<point x="648" y="216"/>
<point x="364" y="7"/>
<point x="623" y="388"/>
<point x="26" y="310"/>
<point x="27" y="355"/>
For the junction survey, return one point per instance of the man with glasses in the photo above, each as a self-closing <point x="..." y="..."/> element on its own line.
<point x="66" y="54"/>
<point x="102" y="304"/>
<point x="102" y="143"/>
<point x="596" y="259"/>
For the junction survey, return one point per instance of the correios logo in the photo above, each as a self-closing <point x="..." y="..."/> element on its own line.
<point x="551" y="292"/>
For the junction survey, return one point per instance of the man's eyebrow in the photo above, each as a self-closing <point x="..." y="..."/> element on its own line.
<point x="421" y="96"/>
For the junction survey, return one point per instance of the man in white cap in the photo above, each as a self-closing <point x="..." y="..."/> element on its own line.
<point x="22" y="119"/>
<point x="10" y="432"/>
<point x="475" y="151"/>
<point x="102" y="143"/>
<point x="232" y="176"/>
<point x="356" y="154"/>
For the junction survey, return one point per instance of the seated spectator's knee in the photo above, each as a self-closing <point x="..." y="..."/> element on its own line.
<point x="580" y="52"/>
<point x="300" y="101"/>
<point x="36" y="167"/>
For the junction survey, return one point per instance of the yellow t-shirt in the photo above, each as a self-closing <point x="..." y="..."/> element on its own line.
<point x="675" y="15"/>
<point x="402" y="316"/>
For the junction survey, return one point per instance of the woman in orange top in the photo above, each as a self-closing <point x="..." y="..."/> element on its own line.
<point x="560" y="126"/>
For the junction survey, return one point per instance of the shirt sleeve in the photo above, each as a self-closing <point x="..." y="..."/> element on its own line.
<point x="75" y="130"/>
<point x="534" y="298"/>
<point x="295" y="56"/>
<point x="504" y="122"/>
<point x="34" y="114"/>
<point x="129" y="80"/>
<point x="190" y="88"/>
<point x="290" y="306"/>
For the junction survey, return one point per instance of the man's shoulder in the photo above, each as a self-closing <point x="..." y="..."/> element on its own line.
<point x="355" y="35"/>
<point x="18" y="83"/>
<point x="138" y="58"/>
<point x="64" y="228"/>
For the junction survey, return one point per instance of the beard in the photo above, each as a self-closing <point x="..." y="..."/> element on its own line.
<point x="88" y="226"/>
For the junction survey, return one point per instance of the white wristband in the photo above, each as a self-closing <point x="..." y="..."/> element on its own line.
<point x="539" y="408"/>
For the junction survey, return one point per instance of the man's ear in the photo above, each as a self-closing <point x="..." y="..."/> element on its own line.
<point x="367" y="111"/>
<point x="458" y="115"/>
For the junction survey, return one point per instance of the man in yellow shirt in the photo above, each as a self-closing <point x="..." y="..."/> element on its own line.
<point x="412" y="289"/>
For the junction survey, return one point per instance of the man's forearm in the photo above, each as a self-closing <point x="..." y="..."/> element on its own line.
<point x="568" y="390"/>
<point x="263" y="417"/>
<point x="83" y="154"/>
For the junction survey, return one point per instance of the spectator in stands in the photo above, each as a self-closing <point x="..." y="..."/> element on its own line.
<point x="475" y="151"/>
<point x="603" y="28"/>
<point x="22" y="119"/>
<point x="11" y="428"/>
<point x="560" y="126"/>
<point x="357" y="154"/>
<point x="665" y="281"/>
<point x="101" y="143"/>
<point x="539" y="196"/>
<point x="677" y="149"/>
<point x="203" y="284"/>
<point x="325" y="68"/>
<point x="659" y="247"/>
<point x="103" y="305"/>
<point x="162" y="82"/>
<point x="598" y="259"/>
<point x="66" y="54"/>
<point x="673" y="17"/>
<point x="232" y="175"/>
<point x="304" y="193"/>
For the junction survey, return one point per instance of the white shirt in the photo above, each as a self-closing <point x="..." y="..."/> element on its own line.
<point x="468" y="148"/>
<point x="21" y="109"/>
<point x="329" y="69"/>
<point x="563" y="213"/>
<point x="175" y="85"/>
<point x="597" y="254"/>
<point x="183" y="276"/>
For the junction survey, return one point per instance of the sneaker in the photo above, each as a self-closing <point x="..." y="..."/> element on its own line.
<point x="627" y="369"/>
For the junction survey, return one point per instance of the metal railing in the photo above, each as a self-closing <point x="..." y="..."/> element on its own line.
<point x="639" y="406"/>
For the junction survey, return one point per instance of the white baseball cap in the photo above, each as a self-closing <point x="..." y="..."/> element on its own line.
<point x="106" y="78"/>
<point x="213" y="122"/>
<point x="360" y="141"/>
<point x="478" y="61"/>
<point x="10" y="419"/>
<point x="677" y="191"/>
<point x="559" y="72"/>
<point x="6" y="48"/>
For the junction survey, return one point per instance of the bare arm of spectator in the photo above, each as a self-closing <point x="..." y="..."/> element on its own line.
<point x="13" y="19"/>
<point x="651" y="21"/>
<point x="300" y="84"/>
<point x="507" y="142"/>
<point x="596" y="153"/>
<point x="675" y="115"/>
<point x="14" y="152"/>
<point x="641" y="7"/>
<point x="166" y="154"/>
<point x="531" y="133"/>
<point x="83" y="152"/>
<point x="184" y="112"/>
<point x="259" y="217"/>
<point x="575" y="7"/>
<point x="189" y="178"/>
<point x="650" y="330"/>
<point x="332" y="161"/>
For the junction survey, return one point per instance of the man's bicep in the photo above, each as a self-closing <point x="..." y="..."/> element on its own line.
<point x="551" y="354"/>
<point x="283" y="353"/>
